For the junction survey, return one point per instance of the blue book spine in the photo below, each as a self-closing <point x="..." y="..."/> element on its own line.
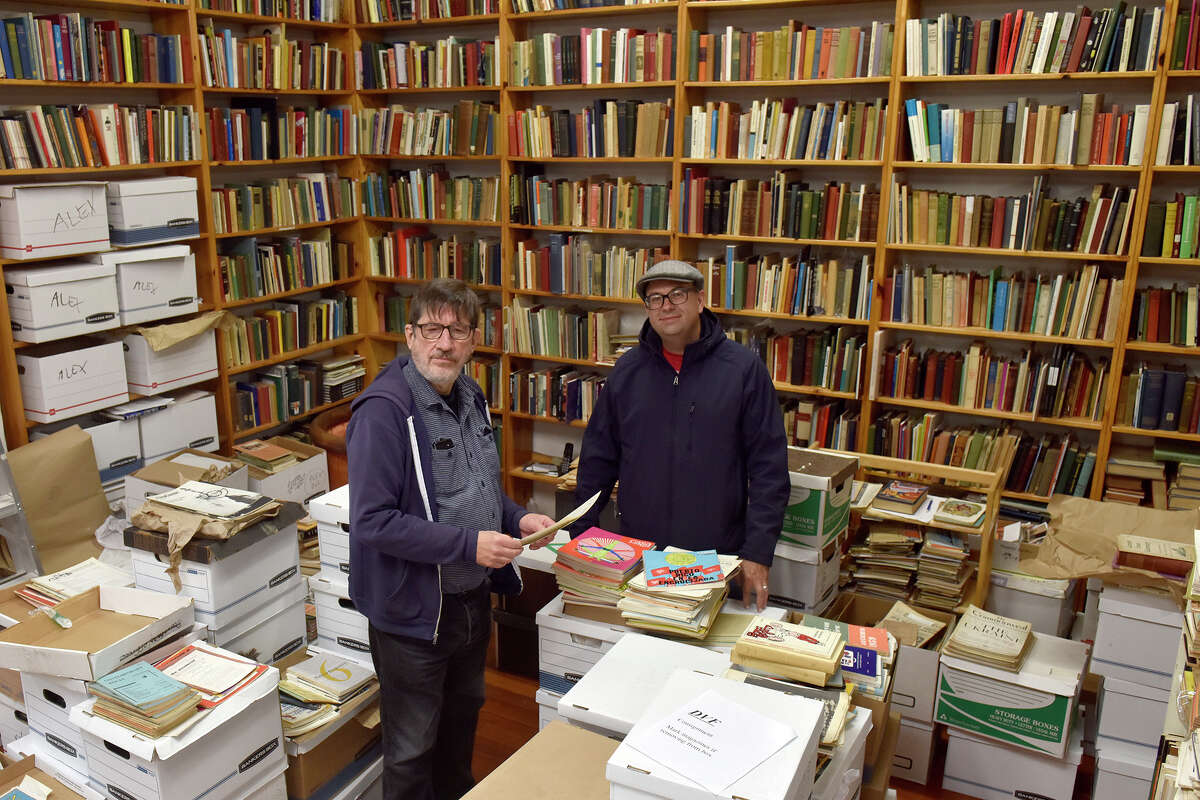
<point x="933" y="127"/>
<point x="860" y="661"/>
<point x="5" y="53"/>
<point x="1000" y="306"/>
<point x="60" y="67"/>
<point x="32" y="69"/>
<point x="729" y="257"/>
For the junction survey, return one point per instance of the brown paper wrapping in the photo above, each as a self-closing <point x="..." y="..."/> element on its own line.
<point x="160" y="337"/>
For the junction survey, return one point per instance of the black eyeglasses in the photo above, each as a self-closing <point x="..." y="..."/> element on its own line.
<point x="433" y="330"/>
<point x="676" y="296"/>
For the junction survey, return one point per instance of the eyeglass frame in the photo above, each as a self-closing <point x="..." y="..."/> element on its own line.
<point x="662" y="299"/>
<point x="442" y="328"/>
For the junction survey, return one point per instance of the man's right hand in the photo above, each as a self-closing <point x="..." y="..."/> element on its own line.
<point x="495" y="549"/>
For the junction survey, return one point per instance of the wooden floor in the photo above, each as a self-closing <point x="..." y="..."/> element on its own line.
<point x="510" y="718"/>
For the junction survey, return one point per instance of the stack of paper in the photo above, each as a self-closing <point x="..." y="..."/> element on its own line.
<point x="143" y="699"/>
<point x="885" y="565"/>
<point x="991" y="639"/>
<point x="942" y="571"/>
<point x="592" y="568"/>
<point x="49" y="590"/>
<point x="679" y="592"/>
<point x="787" y="650"/>
<point x="312" y="691"/>
<point x="215" y="673"/>
<point x="835" y="701"/>
<point x="215" y="502"/>
<point x="910" y="627"/>
<point x="310" y="551"/>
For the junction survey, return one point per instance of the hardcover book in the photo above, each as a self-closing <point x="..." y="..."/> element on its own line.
<point x="681" y="568"/>
<point x="960" y="512"/>
<point x="900" y="496"/>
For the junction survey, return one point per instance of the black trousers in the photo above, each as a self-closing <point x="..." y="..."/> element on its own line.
<point x="431" y="696"/>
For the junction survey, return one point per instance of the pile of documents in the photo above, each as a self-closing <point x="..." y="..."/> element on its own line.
<point x="49" y="590"/>
<point x="789" y="651"/>
<point x="868" y="656"/>
<point x="266" y="456"/>
<point x="885" y="564"/>
<point x="991" y="639"/>
<point x="313" y="691"/>
<point x="214" y="673"/>
<point x="144" y="699"/>
<point x="679" y="592"/>
<point x="593" y="568"/>
<point x="835" y="701"/>
<point x="909" y="626"/>
<point x="942" y="571"/>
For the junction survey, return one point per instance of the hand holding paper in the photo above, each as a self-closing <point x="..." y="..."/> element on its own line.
<point x="562" y="523"/>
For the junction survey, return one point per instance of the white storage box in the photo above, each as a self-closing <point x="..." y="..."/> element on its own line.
<point x="153" y="282"/>
<point x="274" y="788"/>
<point x="993" y="771"/>
<point x="341" y="628"/>
<point x="169" y="473"/>
<point x="300" y="482"/>
<point x="116" y="443"/>
<point x="1033" y="708"/>
<point x="785" y="775"/>
<point x="1137" y="637"/>
<point x="14" y="722"/>
<point x="914" y="751"/>
<point x="48" y="701"/>
<point x="1123" y="770"/>
<point x="270" y="632"/>
<point x="46" y="759"/>
<point x="569" y="646"/>
<point x="547" y="707"/>
<point x="818" y="508"/>
<point x="71" y="378"/>
<point x="54" y="302"/>
<point x="228" y="579"/>
<point x="234" y="747"/>
<point x="1132" y="712"/>
<point x="149" y="372"/>
<point x="42" y="220"/>
<point x="803" y="578"/>
<point x="332" y="513"/>
<point x="1048" y="604"/>
<point x="844" y="774"/>
<point x="152" y="210"/>
<point x="189" y="422"/>
<point x="1091" y="609"/>
<point x="611" y="697"/>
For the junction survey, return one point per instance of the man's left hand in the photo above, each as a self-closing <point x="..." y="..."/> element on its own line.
<point x="754" y="581"/>
<point x="532" y="523"/>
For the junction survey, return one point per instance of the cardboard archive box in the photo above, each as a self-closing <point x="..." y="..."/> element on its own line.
<point x="332" y="513"/>
<point x="1123" y="770"/>
<point x="61" y="300"/>
<point x="818" y="508"/>
<point x="804" y="578"/>
<point x="13" y="774"/>
<point x="1137" y="637"/>
<point x="1132" y="712"/>
<point x="190" y="422"/>
<point x="1048" y="604"/>
<point x="300" y="482"/>
<point x="14" y="722"/>
<point x="116" y="443"/>
<point x="153" y="282"/>
<point x="42" y="220"/>
<point x="151" y="210"/>
<point x="48" y="701"/>
<point x="547" y="703"/>
<point x="569" y="646"/>
<point x="149" y="372"/>
<point x="67" y="379"/>
<point x="270" y="632"/>
<point x="174" y="471"/>
<point x="992" y="771"/>
<point x="340" y="627"/>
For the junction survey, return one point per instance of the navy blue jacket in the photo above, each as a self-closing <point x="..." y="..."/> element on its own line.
<point x="396" y="544"/>
<point x="702" y="457"/>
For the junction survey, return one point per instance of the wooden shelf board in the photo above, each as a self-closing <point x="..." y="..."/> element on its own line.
<point x="273" y="162"/>
<point x="1163" y="348"/>
<point x="479" y="287"/>
<point x="393" y="157"/>
<point x="950" y="408"/>
<point x="584" y="229"/>
<point x="782" y="162"/>
<point x="601" y="299"/>
<point x="1180" y="169"/>
<point x="1177" y="435"/>
<point x="250" y="301"/>
<point x="987" y="333"/>
<point x="820" y="319"/>
<point x="976" y="167"/>
<point x="817" y="391"/>
<point x="575" y="423"/>
<point x="120" y="5"/>
<point x="260" y="19"/>
<point x="1002" y="251"/>
<point x="393" y="336"/>
<point x="471" y="19"/>
<point x="304" y="226"/>
<point x="561" y="360"/>
<point x="589" y="160"/>
<point x="521" y="474"/>
<point x="292" y="355"/>
<point x="1169" y="262"/>
<point x="1021" y="77"/>
<point x="281" y="92"/>
<point x="455" y="222"/>
<point x="787" y="83"/>
<point x="427" y="90"/>
<point x="68" y="172"/>
<point x="108" y="85"/>
<point x="599" y="11"/>
<point x="593" y="87"/>
<point x="1036" y="498"/>
<point x="729" y="237"/>
<point x="741" y="5"/>
<point x="312" y="412"/>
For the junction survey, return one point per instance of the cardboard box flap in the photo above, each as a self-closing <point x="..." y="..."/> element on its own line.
<point x="207" y="551"/>
<point x="11" y="777"/>
<point x="61" y="273"/>
<point x="165" y="747"/>
<point x="332" y="508"/>
<point x="1052" y="665"/>
<point x="1118" y="686"/>
<point x="1125" y="758"/>
<point x="167" y="472"/>
<point x="824" y="469"/>
<point x="559" y="761"/>
<point x="143" y="186"/>
<point x="9" y="190"/>
<point x="1054" y="589"/>
<point x="159" y="253"/>
<point x="1145" y="606"/>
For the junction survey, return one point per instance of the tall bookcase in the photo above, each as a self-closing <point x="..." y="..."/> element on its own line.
<point x="525" y="433"/>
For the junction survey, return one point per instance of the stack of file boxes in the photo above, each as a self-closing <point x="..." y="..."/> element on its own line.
<point x="340" y="627"/>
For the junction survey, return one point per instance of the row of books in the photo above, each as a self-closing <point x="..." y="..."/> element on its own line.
<point x="486" y="373"/>
<point x="100" y="134"/>
<point x="431" y="193"/>
<point x="469" y="129"/>
<point x="830" y="358"/>
<point x="394" y="315"/>
<point x="561" y="332"/>
<point x="564" y="393"/>
<point x="780" y="128"/>
<point x="592" y="56"/>
<point x="72" y="47"/>
<point x="269" y="61"/>
<point x="1166" y="315"/>
<point x="445" y="63"/>
<point x="1118" y="39"/>
<point x="1183" y="48"/>
<point x="401" y="10"/>
<point x="1098" y="223"/>
<point x="282" y="327"/>
<point x="781" y="206"/>
<point x="795" y="51"/>
<point x="532" y="6"/>
<point x="414" y="252"/>
<point x="819" y="423"/>
<point x="1159" y="399"/>
<point x="254" y="268"/>
<point x="572" y="264"/>
<point x="1025" y="133"/>
<point x="1173" y="228"/>
<point x="1083" y="305"/>
<point x="278" y="393"/>
<point x="283" y="202"/>
<point x="1179" y="132"/>
<point x="606" y="129"/>
<point x="312" y="10"/>
<point x="801" y="286"/>
<point x="252" y="130"/>
<point x="595" y="202"/>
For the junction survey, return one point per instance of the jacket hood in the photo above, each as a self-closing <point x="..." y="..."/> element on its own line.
<point x="389" y="383"/>
<point x="711" y="335"/>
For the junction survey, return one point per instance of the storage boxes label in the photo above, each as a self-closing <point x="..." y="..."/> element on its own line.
<point x="1024" y="717"/>
<point x="818" y="506"/>
<point x="42" y="220"/>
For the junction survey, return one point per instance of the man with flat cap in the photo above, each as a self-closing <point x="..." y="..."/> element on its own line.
<point x="689" y="423"/>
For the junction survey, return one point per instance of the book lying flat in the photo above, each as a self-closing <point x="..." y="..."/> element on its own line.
<point x="681" y="568"/>
<point x="992" y="639"/>
<point x="793" y="645"/>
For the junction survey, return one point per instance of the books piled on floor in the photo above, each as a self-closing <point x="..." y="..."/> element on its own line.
<point x="49" y="590"/>
<point x="1184" y="494"/>
<point x="991" y="639"/>
<point x="789" y="651"/>
<point x="142" y="698"/>
<point x="266" y="456"/>
<point x="943" y="571"/>
<point x="593" y="568"/>
<point x="679" y="592"/>
<point x="868" y="656"/>
<point x="312" y="691"/>
<point x="885" y="564"/>
<point x="341" y="376"/>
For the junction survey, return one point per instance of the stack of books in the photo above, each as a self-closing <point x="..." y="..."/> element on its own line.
<point x="310" y="550"/>
<point x="1171" y="560"/>
<point x="835" y="701"/>
<point x="50" y="590"/>
<point x="900" y="497"/>
<point x="786" y="650"/>
<point x="868" y="657"/>
<point x="990" y="639"/>
<point x="942" y="571"/>
<point x="593" y="568"/>
<point x="1131" y="470"/>
<point x="313" y="691"/>
<point x="1191" y="617"/>
<point x="266" y="456"/>
<point x="884" y="566"/>
<point x="341" y="376"/>
<point x="143" y="699"/>
<point x="966" y="513"/>
<point x="1184" y="494"/>
<point x="678" y="592"/>
<point x="909" y="626"/>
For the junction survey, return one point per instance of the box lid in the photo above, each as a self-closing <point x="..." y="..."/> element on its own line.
<point x="1052" y="665"/>
<point x="9" y="190"/>
<point x="168" y="472"/>
<point x="552" y="615"/>
<point x="161" y="185"/>
<point x="1021" y="582"/>
<point x="332" y="508"/>
<point x="559" y="761"/>
<point x="1144" y="606"/>
<point x="1125" y="758"/>
<point x="615" y="691"/>
<point x="1137" y="690"/>
<point x="114" y="257"/>
<point x="60" y="273"/>
<point x="819" y="469"/>
<point x="206" y="551"/>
